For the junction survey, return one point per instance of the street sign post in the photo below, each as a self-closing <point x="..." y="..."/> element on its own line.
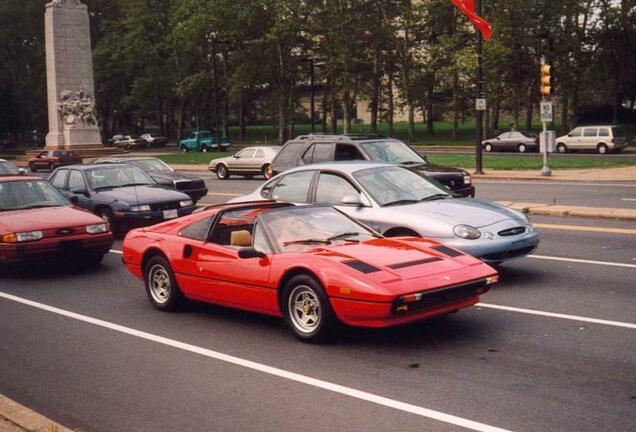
<point x="480" y="104"/>
<point x="547" y="113"/>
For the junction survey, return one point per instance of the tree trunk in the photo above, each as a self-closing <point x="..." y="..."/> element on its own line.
<point x="495" y="115"/>
<point x="180" y="118"/>
<point x="565" y="114"/>
<point x="375" y="93"/>
<point x="390" y="108"/>
<point x="241" y="114"/>
<point x="488" y="130"/>
<point x="530" y="107"/>
<point x="455" y="105"/>
<point x="334" y="112"/>
<point x="411" y="123"/>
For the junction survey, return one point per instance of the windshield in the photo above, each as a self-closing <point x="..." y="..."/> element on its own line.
<point x="7" y="168"/>
<point x="391" y="151"/>
<point x="304" y="228"/>
<point x="397" y="185"/>
<point x="151" y="165"/>
<point x="114" y="177"/>
<point x="16" y="195"/>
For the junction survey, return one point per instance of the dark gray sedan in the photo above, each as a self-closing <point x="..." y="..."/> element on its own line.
<point x="121" y="194"/>
<point x="520" y="141"/>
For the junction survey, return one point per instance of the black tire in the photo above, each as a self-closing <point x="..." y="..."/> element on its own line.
<point x="488" y="147"/>
<point x="33" y="168"/>
<point x="266" y="171"/>
<point x="161" y="286"/>
<point x="222" y="172"/>
<point x="183" y="149"/>
<point x="561" y="148"/>
<point x="602" y="149"/>
<point x="249" y="176"/>
<point x="314" y="321"/>
<point x="91" y="260"/>
<point x="521" y="148"/>
<point x="204" y="149"/>
<point x="107" y="216"/>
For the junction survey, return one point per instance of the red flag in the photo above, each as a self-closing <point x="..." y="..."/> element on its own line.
<point x="468" y="8"/>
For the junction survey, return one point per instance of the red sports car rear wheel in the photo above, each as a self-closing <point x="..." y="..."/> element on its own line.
<point x="161" y="285"/>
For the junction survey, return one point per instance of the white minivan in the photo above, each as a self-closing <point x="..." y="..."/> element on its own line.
<point x="602" y="139"/>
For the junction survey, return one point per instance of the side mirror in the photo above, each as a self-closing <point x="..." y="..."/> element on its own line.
<point x="236" y="156"/>
<point x="250" y="252"/>
<point x="21" y="171"/>
<point x="74" y="199"/>
<point x="570" y="135"/>
<point x="81" y="192"/>
<point x="352" y="200"/>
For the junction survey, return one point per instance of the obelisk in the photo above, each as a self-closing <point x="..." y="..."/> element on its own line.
<point x="69" y="77"/>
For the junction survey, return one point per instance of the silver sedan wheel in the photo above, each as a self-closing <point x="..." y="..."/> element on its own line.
<point x="159" y="283"/>
<point x="304" y="309"/>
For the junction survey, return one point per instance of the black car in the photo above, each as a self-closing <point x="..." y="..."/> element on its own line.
<point x="121" y="194"/>
<point x="307" y="149"/>
<point x="191" y="185"/>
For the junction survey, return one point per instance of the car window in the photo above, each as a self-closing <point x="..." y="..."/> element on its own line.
<point x="323" y="152"/>
<point x="505" y="135"/>
<point x="196" y="230"/>
<point x="27" y="194"/>
<point x="293" y="187"/>
<point x="7" y="168"/>
<point x="260" y="154"/>
<point x="288" y="152"/>
<point x="59" y="178"/>
<point x="589" y="132"/>
<point x="43" y="154"/>
<point x="604" y="132"/>
<point x="234" y="228"/>
<point x="246" y="153"/>
<point x="57" y="153"/>
<point x="333" y="188"/>
<point x="345" y="152"/>
<point x="576" y="132"/>
<point x="76" y="181"/>
<point x="260" y="242"/>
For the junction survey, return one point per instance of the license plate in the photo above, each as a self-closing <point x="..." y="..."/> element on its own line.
<point x="170" y="214"/>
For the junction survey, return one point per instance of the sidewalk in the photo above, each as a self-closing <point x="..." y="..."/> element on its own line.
<point x="18" y="418"/>
<point x="627" y="173"/>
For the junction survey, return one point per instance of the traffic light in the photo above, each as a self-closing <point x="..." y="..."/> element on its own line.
<point x="546" y="87"/>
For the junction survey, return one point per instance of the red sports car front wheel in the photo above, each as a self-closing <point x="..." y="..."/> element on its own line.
<point x="307" y="309"/>
<point x="161" y="285"/>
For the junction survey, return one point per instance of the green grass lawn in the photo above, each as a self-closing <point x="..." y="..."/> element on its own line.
<point x="526" y="163"/>
<point x="192" y="158"/>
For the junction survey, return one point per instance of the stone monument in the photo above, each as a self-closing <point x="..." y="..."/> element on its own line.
<point x="69" y="78"/>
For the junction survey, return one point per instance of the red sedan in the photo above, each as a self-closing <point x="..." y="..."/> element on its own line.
<point x="312" y="265"/>
<point x="37" y="223"/>
<point x="51" y="159"/>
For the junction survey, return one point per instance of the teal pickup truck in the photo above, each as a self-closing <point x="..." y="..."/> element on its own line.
<point x="201" y="140"/>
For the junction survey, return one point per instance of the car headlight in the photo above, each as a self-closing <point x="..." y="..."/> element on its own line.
<point x="466" y="232"/>
<point x="97" y="228"/>
<point x="467" y="179"/>
<point x="140" y="208"/>
<point x="22" y="237"/>
<point x="185" y="203"/>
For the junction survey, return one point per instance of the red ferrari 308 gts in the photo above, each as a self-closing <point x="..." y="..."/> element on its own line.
<point x="37" y="223"/>
<point x="312" y="265"/>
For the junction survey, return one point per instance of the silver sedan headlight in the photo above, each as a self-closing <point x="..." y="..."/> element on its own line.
<point x="466" y="232"/>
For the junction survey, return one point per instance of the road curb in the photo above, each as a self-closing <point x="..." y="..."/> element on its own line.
<point x="565" y="211"/>
<point x="26" y="418"/>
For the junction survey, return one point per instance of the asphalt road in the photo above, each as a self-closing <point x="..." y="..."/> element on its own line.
<point x="518" y="369"/>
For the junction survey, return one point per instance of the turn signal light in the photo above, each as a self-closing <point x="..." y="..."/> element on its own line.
<point x="9" y="238"/>
<point x="492" y="280"/>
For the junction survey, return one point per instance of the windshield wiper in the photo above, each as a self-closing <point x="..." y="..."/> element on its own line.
<point x="343" y="236"/>
<point x="413" y="163"/>
<point x="37" y="206"/>
<point x="435" y="197"/>
<point x="402" y="201"/>
<point x="134" y="184"/>
<point x="306" y="241"/>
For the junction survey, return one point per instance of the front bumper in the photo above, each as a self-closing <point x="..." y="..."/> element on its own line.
<point x="499" y="248"/>
<point x="145" y="218"/>
<point x="56" y="248"/>
<point x="466" y="191"/>
<point x="195" y="194"/>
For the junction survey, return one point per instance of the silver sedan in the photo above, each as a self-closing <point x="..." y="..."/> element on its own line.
<point x="398" y="202"/>
<point x="247" y="162"/>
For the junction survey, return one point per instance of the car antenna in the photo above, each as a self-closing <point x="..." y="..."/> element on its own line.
<point x="132" y="171"/>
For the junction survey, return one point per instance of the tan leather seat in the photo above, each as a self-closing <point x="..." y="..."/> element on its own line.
<point x="241" y="238"/>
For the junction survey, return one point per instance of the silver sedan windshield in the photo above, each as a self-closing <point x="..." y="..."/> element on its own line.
<point x="396" y="185"/>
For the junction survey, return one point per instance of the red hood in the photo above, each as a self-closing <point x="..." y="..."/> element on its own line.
<point x="395" y="257"/>
<point x="45" y="218"/>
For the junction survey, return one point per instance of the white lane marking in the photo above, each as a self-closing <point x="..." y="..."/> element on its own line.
<point x="116" y="251"/>
<point x="558" y="315"/>
<point x="537" y="182"/>
<point x="259" y="367"/>
<point x="628" y="199"/>
<point x="582" y="261"/>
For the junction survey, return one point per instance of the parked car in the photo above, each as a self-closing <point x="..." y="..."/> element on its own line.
<point x="51" y="159"/>
<point x="131" y="141"/>
<point x="248" y="162"/>
<point x="154" y="140"/>
<point x="396" y="201"/>
<point x="309" y="149"/>
<point x="160" y="172"/>
<point x="8" y="169"/>
<point x="602" y="139"/>
<point x="116" y="137"/>
<point x="314" y="266"/>
<point x="202" y="140"/>
<point x="521" y="141"/>
<point x="121" y="194"/>
<point x="37" y="223"/>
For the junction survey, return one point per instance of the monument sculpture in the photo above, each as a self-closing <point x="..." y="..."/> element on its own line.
<point x="69" y="71"/>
